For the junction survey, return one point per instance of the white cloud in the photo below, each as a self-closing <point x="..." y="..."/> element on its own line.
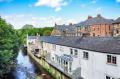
<point x="118" y="1"/>
<point x="57" y="9"/>
<point x="19" y="20"/>
<point x="56" y="4"/>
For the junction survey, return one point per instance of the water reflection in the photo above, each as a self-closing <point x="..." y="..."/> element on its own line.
<point x="25" y="68"/>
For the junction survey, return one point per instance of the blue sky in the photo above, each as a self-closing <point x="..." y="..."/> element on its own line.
<point x="42" y="13"/>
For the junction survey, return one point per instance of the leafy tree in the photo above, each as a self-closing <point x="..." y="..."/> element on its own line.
<point x="47" y="33"/>
<point x="8" y="47"/>
<point x="27" y="26"/>
<point x="11" y="39"/>
<point x="22" y="33"/>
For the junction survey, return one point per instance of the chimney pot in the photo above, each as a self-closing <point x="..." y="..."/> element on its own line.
<point x="70" y="23"/>
<point x="98" y="15"/>
<point x="89" y="17"/>
<point x="55" y="24"/>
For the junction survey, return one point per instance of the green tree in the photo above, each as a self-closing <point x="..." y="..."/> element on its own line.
<point x="31" y="31"/>
<point x="27" y="26"/>
<point x="47" y="33"/>
<point x="8" y="47"/>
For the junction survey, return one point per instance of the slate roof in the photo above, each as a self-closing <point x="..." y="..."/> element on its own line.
<point x="67" y="28"/>
<point x="95" y="20"/>
<point x="117" y="20"/>
<point x="99" y="44"/>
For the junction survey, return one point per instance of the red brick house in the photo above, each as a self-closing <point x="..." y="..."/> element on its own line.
<point x="97" y="26"/>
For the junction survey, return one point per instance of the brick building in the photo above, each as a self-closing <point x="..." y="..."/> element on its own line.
<point x="96" y="26"/>
<point x="93" y="26"/>
<point x="67" y="30"/>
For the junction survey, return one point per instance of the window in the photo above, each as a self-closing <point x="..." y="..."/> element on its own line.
<point x="76" y="52"/>
<point x="66" y="63"/>
<point x="114" y="60"/>
<point x="111" y="59"/>
<point x="93" y="34"/>
<point x="54" y="46"/>
<point x="109" y="77"/>
<point x="53" y="58"/>
<point x="71" y="51"/>
<point x="98" y="28"/>
<point x="108" y="58"/>
<point x="93" y="29"/>
<point x="70" y="66"/>
<point x="109" y="28"/>
<point x="85" y="55"/>
<point x="86" y="28"/>
<point x="61" y="49"/>
<point x="117" y="31"/>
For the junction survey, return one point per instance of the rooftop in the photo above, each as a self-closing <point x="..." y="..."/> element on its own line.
<point x="96" y="20"/>
<point x="117" y="20"/>
<point x="67" y="28"/>
<point x="99" y="44"/>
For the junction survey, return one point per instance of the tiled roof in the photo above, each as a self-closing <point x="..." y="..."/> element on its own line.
<point x="117" y="20"/>
<point x="98" y="44"/>
<point x="90" y="21"/>
<point x="95" y="20"/>
<point x="67" y="28"/>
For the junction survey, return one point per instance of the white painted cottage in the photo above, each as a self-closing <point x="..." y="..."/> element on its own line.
<point x="86" y="57"/>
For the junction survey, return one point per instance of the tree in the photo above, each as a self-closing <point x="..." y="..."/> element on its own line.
<point x="31" y="31"/>
<point x="27" y="26"/>
<point x="8" y="47"/>
<point x="47" y="33"/>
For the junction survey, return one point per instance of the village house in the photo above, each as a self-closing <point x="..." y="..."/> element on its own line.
<point x="83" y="57"/>
<point x="116" y="27"/>
<point x="64" y="30"/>
<point x="96" y="26"/>
<point x="93" y="26"/>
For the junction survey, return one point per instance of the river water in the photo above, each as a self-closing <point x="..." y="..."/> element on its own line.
<point x="25" y="69"/>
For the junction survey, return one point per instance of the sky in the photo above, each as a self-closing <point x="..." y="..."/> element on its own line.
<point x="45" y="13"/>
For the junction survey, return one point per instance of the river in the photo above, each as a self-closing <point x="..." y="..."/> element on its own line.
<point x="26" y="69"/>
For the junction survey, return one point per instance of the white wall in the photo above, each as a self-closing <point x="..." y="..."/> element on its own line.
<point x="60" y="50"/>
<point x="95" y="67"/>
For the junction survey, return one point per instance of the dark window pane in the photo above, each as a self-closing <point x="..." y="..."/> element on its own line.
<point x="85" y="55"/>
<point x="107" y="77"/>
<point x="114" y="60"/>
<point x="108" y="58"/>
<point x="71" y="51"/>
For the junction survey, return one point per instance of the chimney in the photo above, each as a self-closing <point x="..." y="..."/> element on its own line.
<point x="89" y="17"/>
<point x="55" y="24"/>
<point x="98" y="15"/>
<point x="70" y="24"/>
<point x="64" y="33"/>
